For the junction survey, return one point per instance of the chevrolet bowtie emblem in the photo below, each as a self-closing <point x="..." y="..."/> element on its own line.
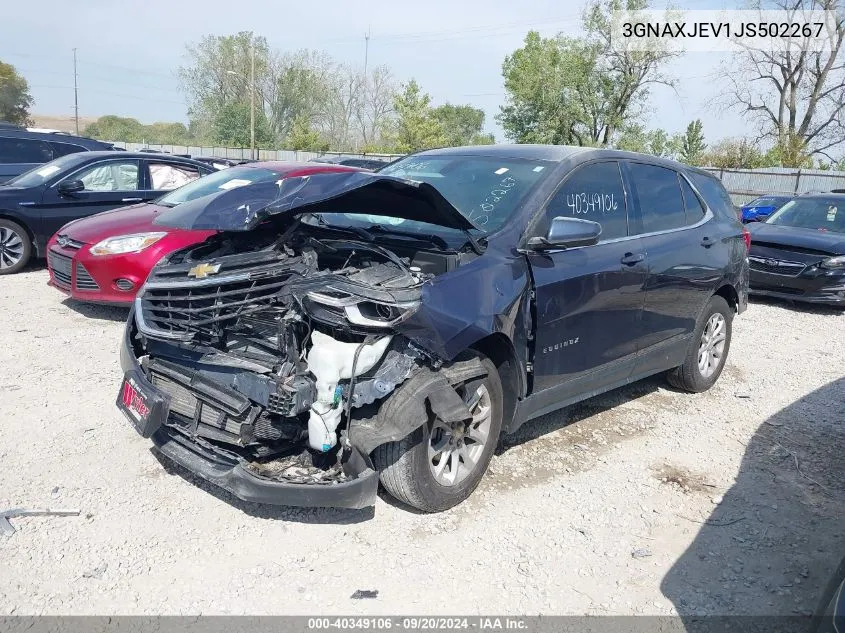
<point x="201" y="271"/>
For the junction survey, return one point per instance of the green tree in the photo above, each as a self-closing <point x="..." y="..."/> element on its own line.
<point x="15" y="100"/>
<point x="303" y="137"/>
<point x="415" y="127"/>
<point x="734" y="153"/>
<point x="790" y="150"/>
<point x="217" y="82"/>
<point x="579" y="90"/>
<point x="634" y="138"/>
<point x="298" y="85"/>
<point x="692" y="145"/>
<point x="128" y="130"/>
<point x="116" y="128"/>
<point x="230" y="126"/>
<point x="462" y="125"/>
<point x="167" y="134"/>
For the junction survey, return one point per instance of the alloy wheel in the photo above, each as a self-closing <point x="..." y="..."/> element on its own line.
<point x="712" y="346"/>
<point x="454" y="451"/>
<point x="11" y="247"/>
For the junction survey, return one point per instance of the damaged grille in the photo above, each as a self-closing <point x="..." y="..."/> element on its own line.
<point x="176" y="306"/>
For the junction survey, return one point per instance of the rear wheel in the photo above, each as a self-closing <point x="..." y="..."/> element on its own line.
<point x="440" y="464"/>
<point x="15" y="247"/>
<point x="708" y="349"/>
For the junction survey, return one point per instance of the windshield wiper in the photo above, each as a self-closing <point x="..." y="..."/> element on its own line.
<point x="422" y="237"/>
<point x="364" y="234"/>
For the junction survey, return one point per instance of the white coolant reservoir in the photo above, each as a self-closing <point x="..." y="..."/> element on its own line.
<point x="330" y="361"/>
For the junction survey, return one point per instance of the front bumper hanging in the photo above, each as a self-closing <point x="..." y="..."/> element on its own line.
<point x="230" y="474"/>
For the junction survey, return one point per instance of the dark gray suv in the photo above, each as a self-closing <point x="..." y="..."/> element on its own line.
<point x="21" y="150"/>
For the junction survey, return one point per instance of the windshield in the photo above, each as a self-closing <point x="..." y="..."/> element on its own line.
<point x="231" y="178"/>
<point x="484" y="189"/>
<point x="821" y="214"/>
<point x="766" y="202"/>
<point x="41" y="174"/>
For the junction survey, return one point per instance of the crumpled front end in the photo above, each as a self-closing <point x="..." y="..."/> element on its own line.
<point x="265" y="367"/>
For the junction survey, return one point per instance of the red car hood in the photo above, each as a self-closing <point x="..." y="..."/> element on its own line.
<point x="135" y="219"/>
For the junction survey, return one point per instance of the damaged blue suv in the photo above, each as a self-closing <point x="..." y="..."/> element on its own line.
<point x="345" y="329"/>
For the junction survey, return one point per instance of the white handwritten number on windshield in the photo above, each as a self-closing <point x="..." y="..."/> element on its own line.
<point x="482" y="216"/>
<point x="584" y="203"/>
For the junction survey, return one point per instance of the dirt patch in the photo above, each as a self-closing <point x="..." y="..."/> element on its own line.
<point x="681" y="479"/>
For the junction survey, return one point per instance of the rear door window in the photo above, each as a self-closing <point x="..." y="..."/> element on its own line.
<point x="169" y="176"/>
<point x="659" y="194"/>
<point x="593" y="192"/>
<point x="24" y="150"/>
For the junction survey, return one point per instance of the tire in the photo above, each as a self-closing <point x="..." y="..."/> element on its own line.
<point x="15" y="247"/>
<point x="407" y="469"/>
<point x="691" y="376"/>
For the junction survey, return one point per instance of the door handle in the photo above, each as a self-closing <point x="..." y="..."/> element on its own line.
<point x="629" y="259"/>
<point x="131" y="199"/>
<point x="706" y="242"/>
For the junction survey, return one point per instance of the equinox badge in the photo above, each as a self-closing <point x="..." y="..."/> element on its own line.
<point x="201" y="271"/>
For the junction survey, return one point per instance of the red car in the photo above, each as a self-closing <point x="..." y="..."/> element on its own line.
<point x="105" y="258"/>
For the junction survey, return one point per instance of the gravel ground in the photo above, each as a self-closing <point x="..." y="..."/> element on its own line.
<point x="641" y="501"/>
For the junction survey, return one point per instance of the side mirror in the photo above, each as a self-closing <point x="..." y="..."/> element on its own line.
<point x="71" y="186"/>
<point x="567" y="233"/>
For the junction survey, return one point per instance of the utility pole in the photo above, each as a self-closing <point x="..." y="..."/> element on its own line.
<point x="366" y="50"/>
<point x="75" y="96"/>
<point x="252" y="100"/>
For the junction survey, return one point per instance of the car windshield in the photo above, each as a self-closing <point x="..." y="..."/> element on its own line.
<point x="41" y="174"/>
<point x="822" y="214"/>
<point x="484" y="189"/>
<point x="219" y="181"/>
<point x="766" y="202"/>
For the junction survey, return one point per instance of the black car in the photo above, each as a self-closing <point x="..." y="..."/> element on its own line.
<point x="798" y="253"/>
<point x="21" y="150"/>
<point x="39" y="202"/>
<point x="342" y="329"/>
<point x="352" y="161"/>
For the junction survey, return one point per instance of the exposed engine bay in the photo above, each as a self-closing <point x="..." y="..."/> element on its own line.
<point x="268" y="344"/>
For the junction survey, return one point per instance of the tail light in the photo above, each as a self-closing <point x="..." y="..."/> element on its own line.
<point x="747" y="237"/>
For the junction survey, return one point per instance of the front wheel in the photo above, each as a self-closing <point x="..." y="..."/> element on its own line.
<point x="15" y="247"/>
<point x="708" y="349"/>
<point x="440" y="464"/>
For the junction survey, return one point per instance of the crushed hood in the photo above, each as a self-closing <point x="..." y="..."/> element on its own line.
<point x="242" y="208"/>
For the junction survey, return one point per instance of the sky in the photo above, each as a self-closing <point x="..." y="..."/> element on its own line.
<point x="128" y="52"/>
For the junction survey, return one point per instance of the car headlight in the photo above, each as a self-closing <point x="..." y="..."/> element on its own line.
<point x="834" y="262"/>
<point x="120" y="244"/>
<point x="365" y="312"/>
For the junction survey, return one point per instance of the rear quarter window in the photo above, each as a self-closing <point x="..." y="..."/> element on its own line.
<point x="714" y="194"/>
<point x="63" y="149"/>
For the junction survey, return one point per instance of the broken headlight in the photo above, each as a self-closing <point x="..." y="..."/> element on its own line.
<point x="365" y="312"/>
